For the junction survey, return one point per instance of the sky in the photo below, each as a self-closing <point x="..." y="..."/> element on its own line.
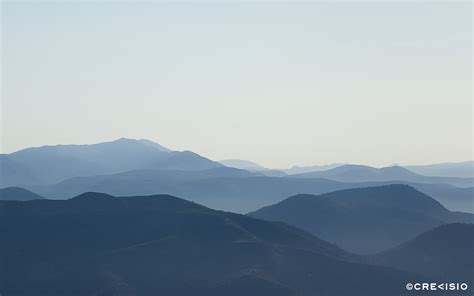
<point x="280" y="84"/>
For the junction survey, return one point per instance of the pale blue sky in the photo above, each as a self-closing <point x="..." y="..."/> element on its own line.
<point x="275" y="83"/>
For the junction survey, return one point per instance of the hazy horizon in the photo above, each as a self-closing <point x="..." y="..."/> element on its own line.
<point x="298" y="165"/>
<point x="275" y="83"/>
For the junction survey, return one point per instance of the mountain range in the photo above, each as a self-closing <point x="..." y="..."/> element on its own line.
<point x="52" y="164"/>
<point x="97" y="244"/>
<point x="364" y="220"/>
<point x="463" y="169"/>
<point x="313" y="168"/>
<point x="231" y="189"/>
<point x="27" y="166"/>
<point x="16" y="193"/>
<point x="252" y="167"/>
<point x="136" y="167"/>
<point x="242" y="164"/>
<point x="344" y="230"/>
<point x="362" y="173"/>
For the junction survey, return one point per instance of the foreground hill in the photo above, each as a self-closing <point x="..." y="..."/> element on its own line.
<point x="364" y="220"/>
<point x="16" y="193"/>
<point x="446" y="253"/>
<point x="97" y="244"/>
<point x="362" y="173"/>
<point x="51" y="164"/>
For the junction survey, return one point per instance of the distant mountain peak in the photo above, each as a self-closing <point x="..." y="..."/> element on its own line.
<point x="463" y="169"/>
<point x="17" y="193"/>
<point x="93" y="195"/>
<point x="52" y="164"/>
<point x="314" y="168"/>
<point x="144" y="142"/>
<point x="97" y="200"/>
<point x="398" y="168"/>
<point x="162" y="202"/>
<point x="361" y="173"/>
<point x="242" y="164"/>
<point x="189" y="152"/>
